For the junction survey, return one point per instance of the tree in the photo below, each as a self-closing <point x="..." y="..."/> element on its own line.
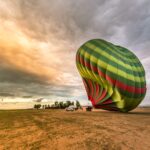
<point x="43" y="106"/>
<point x="56" y="104"/>
<point x="72" y="103"/>
<point x="61" y="105"/>
<point x="78" y="104"/>
<point x="68" y="103"/>
<point x="37" y="106"/>
<point x="53" y="106"/>
<point x="48" y="106"/>
<point x="64" y="105"/>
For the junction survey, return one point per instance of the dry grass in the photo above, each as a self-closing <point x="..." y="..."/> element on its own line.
<point x="57" y="129"/>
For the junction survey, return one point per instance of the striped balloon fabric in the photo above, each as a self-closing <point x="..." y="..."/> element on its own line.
<point x="113" y="76"/>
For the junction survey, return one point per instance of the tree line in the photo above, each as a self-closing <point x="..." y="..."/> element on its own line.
<point x="58" y="105"/>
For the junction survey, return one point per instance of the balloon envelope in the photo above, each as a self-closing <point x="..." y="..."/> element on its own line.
<point x="113" y="76"/>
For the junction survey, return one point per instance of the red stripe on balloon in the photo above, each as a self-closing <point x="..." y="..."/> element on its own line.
<point x="107" y="107"/>
<point x="109" y="101"/>
<point x="123" y="86"/>
<point x="97" y="89"/>
<point x="119" y="84"/>
<point x="92" y="100"/>
<point x="91" y="87"/>
<point x="86" y="86"/>
<point x="103" y="95"/>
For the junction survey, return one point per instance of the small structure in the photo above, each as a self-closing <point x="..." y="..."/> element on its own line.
<point x="87" y="108"/>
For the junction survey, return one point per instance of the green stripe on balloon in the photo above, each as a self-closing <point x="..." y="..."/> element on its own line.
<point x="106" y="57"/>
<point x="114" y="77"/>
<point x="125" y="93"/>
<point x="108" y="47"/>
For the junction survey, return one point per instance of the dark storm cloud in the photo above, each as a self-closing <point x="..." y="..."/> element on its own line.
<point x="135" y="17"/>
<point x="59" y="21"/>
<point x="70" y="18"/>
<point x="14" y="75"/>
<point x="27" y="96"/>
<point x="65" y="25"/>
<point x="7" y="94"/>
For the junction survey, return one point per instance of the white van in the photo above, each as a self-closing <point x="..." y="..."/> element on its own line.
<point x="71" y="108"/>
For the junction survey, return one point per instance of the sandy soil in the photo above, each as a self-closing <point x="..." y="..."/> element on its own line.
<point x="60" y="130"/>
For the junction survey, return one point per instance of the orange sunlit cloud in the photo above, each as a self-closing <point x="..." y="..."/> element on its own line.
<point x="39" y="40"/>
<point x="21" y="52"/>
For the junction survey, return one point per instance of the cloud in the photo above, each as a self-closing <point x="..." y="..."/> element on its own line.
<point x="38" y="100"/>
<point x="39" y="40"/>
<point x="7" y="94"/>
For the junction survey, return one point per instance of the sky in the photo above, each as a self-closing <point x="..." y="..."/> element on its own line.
<point x="39" y="40"/>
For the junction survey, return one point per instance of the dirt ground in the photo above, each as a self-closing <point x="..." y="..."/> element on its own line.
<point x="60" y="130"/>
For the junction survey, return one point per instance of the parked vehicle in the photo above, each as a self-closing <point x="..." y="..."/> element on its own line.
<point x="71" y="108"/>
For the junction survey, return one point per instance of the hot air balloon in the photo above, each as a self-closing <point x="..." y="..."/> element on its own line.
<point x="113" y="76"/>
